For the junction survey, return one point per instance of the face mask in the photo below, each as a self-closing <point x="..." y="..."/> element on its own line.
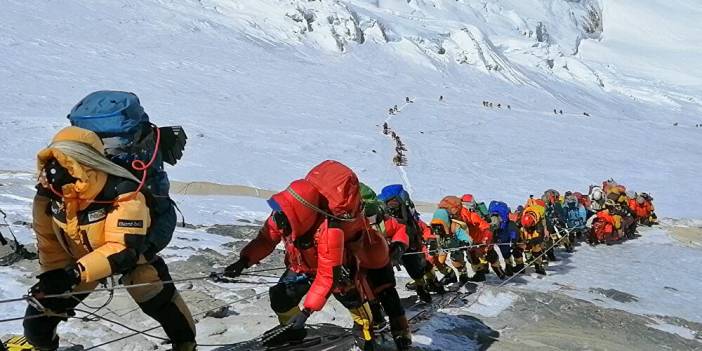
<point x="438" y="230"/>
<point x="394" y="210"/>
<point x="57" y="175"/>
<point x="495" y="222"/>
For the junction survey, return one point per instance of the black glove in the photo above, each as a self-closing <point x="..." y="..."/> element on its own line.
<point x="432" y="245"/>
<point x="234" y="270"/>
<point x="298" y="321"/>
<point x="397" y="249"/>
<point x="57" y="281"/>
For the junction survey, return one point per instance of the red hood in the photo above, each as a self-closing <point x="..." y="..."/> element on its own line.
<point x="302" y="218"/>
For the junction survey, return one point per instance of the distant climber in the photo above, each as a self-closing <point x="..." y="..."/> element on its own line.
<point x="499" y="105"/>
<point x="509" y="107"/>
<point x="560" y="111"/>
<point x="441" y="98"/>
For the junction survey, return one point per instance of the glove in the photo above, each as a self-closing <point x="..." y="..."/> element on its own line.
<point x="397" y="249"/>
<point x="234" y="270"/>
<point x="432" y="245"/>
<point x="298" y="321"/>
<point x="57" y="281"/>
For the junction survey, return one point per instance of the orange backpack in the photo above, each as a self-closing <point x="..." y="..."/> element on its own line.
<point x="452" y="204"/>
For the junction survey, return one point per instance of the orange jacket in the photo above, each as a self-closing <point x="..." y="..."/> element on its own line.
<point x="614" y="220"/>
<point x="640" y="211"/>
<point x="478" y="228"/>
<point x="396" y="231"/>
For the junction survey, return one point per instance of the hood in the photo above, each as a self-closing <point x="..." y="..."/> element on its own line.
<point x="441" y="216"/>
<point x="302" y="217"/>
<point x="390" y="192"/>
<point x="89" y="181"/>
<point x="371" y="205"/>
<point x="453" y="204"/>
<point x="502" y="210"/>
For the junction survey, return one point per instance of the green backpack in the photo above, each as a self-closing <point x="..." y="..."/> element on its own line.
<point x="372" y="207"/>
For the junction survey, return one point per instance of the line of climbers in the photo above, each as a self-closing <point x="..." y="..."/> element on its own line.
<point x="498" y="105"/>
<point x="374" y="233"/>
<point x="102" y="209"/>
<point x="400" y="159"/>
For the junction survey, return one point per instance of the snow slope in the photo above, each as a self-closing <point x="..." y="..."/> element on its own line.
<point x="638" y="277"/>
<point x="267" y="89"/>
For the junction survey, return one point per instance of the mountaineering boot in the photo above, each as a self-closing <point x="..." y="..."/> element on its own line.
<point x="399" y="328"/>
<point x="539" y="269"/>
<point x="435" y="286"/>
<point x="448" y="279"/>
<point x="551" y="255"/>
<point x="411" y="285"/>
<point x="280" y="335"/>
<point x="362" y="327"/>
<point x="479" y="276"/>
<point x="185" y="346"/>
<point x="519" y="268"/>
<point x="463" y="279"/>
<point x="379" y="323"/>
<point x="509" y="269"/>
<point x="499" y="272"/>
<point x="283" y="334"/>
<point x="423" y="294"/>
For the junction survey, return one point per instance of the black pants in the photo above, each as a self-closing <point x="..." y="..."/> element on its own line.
<point x="292" y="287"/>
<point x="160" y="301"/>
<point x="416" y="265"/>
<point x="382" y="281"/>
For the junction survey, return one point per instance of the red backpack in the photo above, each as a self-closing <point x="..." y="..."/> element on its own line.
<point x="339" y="186"/>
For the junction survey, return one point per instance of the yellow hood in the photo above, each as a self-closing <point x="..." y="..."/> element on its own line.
<point x="76" y="196"/>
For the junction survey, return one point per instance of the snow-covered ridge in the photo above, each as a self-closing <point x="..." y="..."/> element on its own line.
<point x="476" y="33"/>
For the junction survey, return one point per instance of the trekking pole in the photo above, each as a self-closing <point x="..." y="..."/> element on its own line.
<point x="9" y="228"/>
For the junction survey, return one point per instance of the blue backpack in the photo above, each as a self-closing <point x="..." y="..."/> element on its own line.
<point x="575" y="215"/>
<point x="408" y="214"/>
<point x="109" y="113"/>
<point x="505" y="233"/>
<point x="118" y="118"/>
